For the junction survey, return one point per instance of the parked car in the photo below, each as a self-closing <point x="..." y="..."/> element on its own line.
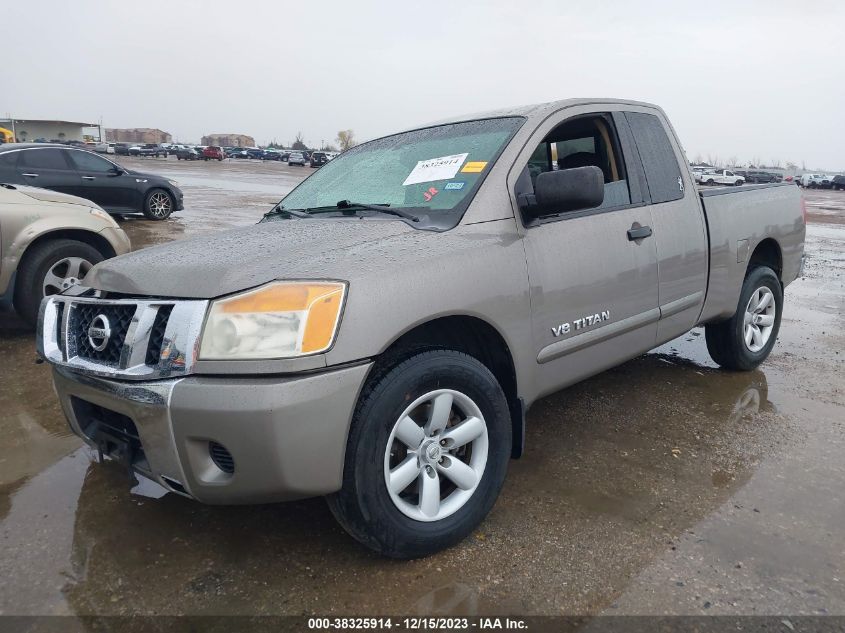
<point x="255" y="152"/>
<point x="697" y="172"/>
<point x="756" y="176"/>
<point x="134" y="150"/>
<point x="49" y="242"/>
<point x="85" y="174"/>
<point x="318" y="159"/>
<point x="720" y="177"/>
<point x="838" y="182"/>
<point x="104" y="148"/>
<point x="272" y="382"/>
<point x="238" y="152"/>
<point x="212" y="152"/>
<point x="816" y="181"/>
<point x="272" y="154"/>
<point x="121" y="149"/>
<point x="296" y="158"/>
<point x="188" y="153"/>
<point x="153" y="149"/>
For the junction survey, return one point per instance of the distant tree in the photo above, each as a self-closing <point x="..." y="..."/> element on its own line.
<point x="803" y="166"/>
<point x="328" y="147"/>
<point x="346" y="139"/>
<point x="732" y="161"/>
<point x="299" y="142"/>
<point x="698" y="159"/>
<point x="791" y="166"/>
<point x="776" y="164"/>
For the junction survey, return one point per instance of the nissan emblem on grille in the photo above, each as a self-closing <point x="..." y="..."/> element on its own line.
<point x="99" y="332"/>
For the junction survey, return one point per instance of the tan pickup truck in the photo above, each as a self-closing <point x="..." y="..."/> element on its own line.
<point x="379" y="337"/>
<point x="48" y="242"/>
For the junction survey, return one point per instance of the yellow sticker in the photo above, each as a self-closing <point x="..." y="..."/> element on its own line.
<point x="474" y="167"/>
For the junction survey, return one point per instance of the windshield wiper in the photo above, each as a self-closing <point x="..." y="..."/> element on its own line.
<point x="279" y="209"/>
<point x="347" y="204"/>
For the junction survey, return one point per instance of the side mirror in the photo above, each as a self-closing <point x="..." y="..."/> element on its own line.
<point x="117" y="171"/>
<point x="566" y="190"/>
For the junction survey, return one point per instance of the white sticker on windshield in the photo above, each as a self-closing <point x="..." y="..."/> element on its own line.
<point x="431" y="169"/>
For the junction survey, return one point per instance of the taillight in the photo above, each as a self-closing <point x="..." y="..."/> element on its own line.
<point x="803" y="210"/>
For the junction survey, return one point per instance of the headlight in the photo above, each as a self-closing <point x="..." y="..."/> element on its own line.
<point x="283" y="319"/>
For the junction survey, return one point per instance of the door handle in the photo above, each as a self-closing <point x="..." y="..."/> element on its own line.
<point x="30" y="175"/>
<point x="88" y="178"/>
<point x="638" y="232"/>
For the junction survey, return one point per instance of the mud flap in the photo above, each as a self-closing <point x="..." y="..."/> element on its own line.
<point x="517" y="407"/>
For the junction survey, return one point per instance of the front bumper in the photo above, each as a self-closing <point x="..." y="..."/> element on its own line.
<point x="286" y="435"/>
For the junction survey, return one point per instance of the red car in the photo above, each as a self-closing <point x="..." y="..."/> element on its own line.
<point x="212" y="152"/>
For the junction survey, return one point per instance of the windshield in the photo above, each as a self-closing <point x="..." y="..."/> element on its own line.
<point x="434" y="170"/>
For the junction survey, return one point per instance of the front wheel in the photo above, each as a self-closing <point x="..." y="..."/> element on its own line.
<point x="426" y="457"/>
<point x="158" y="205"/>
<point x="746" y="339"/>
<point x="50" y="268"/>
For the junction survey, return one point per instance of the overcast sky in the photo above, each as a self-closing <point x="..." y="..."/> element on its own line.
<point x="752" y="79"/>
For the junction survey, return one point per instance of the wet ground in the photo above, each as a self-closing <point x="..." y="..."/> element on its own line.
<point x="664" y="486"/>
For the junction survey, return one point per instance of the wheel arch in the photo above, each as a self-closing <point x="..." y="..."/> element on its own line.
<point x="767" y="253"/>
<point x="471" y="335"/>
<point x="91" y="238"/>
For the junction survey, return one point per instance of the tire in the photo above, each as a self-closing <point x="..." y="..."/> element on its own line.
<point x="155" y="205"/>
<point x="710" y="181"/>
<point x="738" y="183"/>
<point x="726" y="341"/>
<point x="58" y="257"/>
<point x="402" y="526"/>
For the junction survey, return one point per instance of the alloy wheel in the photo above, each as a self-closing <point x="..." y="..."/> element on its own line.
<point x="160" y="204"/>
<point x="759" y="319"/>
<point x="436" y="455"/>
<point x="65" y="273"/>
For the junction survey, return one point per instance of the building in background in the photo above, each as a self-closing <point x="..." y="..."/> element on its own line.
<point x="229" y="140"/>
<point x="30" y="130"/>
<point x="138" y="135"/>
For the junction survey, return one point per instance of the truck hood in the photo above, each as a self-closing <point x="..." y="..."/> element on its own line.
<point x="223" y="263"/>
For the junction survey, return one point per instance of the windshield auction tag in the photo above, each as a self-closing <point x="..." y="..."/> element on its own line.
<point x="432" y="169"/>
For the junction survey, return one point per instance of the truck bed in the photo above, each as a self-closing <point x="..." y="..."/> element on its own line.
<point x="739" y="219"/>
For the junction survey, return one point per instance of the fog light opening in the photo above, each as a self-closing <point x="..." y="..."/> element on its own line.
<point x="221" y="457"/>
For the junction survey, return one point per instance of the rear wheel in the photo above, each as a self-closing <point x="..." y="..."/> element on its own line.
<point x="426" y="457"/>
<point x="746" y="339"/>
<point x="710" y="181"/>
<point x="158" y="205"/>
<point x="50" y="268"/>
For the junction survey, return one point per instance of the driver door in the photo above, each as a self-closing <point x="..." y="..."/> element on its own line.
<point x="593" y="288"/>
<point x="98" y="181"/>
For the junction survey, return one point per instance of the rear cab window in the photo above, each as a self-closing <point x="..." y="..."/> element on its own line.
<point x="662" y="172"/>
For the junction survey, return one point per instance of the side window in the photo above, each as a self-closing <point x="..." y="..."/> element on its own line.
<point x="85" y="161"/>
<point x="47" y="158"/>
<point x="659" y="163"/>
<point x="8" y="160"/>
<point x="581" y="142"/>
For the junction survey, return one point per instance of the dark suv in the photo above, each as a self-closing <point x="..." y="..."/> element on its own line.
<point x="762" y="176"/>
<point x="318" y="159"/>
<point x="87" y="175"/>
<point x="838" y="182"/>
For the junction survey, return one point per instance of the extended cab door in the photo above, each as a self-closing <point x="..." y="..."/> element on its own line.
<point x="593" y="273"/>
<point x="680" y="233"/>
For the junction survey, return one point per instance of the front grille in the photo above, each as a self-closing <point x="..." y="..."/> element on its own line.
<point x="221" y="457"/>
<point x="157" y="335"/>
<point x="119" y="318"/>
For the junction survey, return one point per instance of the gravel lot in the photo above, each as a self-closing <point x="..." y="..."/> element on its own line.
<point x="664" y="486"/>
